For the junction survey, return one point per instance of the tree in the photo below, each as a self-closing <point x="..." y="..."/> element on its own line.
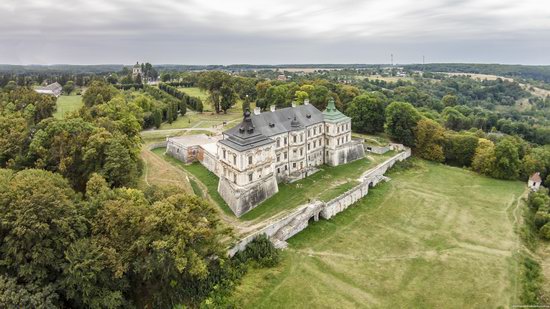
<point x="429" y="136"/>
<point x="98" y="89"/>
<point x="484" y="158"/>
<point x="300" y="96"/>
<point x="367" y="113"/>
<point x="228" y="98"/>
<point x="69" y="87"/>
<point x="507" y="162"/>
<point x="213" y="81"/>
<point x="13" y="134"/>
<point x="157" y="116"/>
<point x="454" y="119"/>
<point x="459" y="148"/>
<point x="401" y="119"/>
<point x="275" y="95"/>
<point x="449" y="100"/>
<point x="40" y="217"/>
<point x="318" y="97"/>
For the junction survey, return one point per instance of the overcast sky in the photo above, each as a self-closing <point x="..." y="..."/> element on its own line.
<point x="273" y="32"/>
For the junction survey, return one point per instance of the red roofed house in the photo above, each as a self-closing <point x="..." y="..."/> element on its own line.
<point x="534" y="181"/>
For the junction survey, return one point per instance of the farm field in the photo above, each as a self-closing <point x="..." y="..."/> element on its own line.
<point x="66" y="104"/>
<point x="433" y="237"/>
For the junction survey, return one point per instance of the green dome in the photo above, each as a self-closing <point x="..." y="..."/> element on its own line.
<point x="331" y="114"/>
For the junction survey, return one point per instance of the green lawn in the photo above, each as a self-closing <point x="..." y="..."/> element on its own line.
<point x="195" y="92"/>
<point x="66" y="104"/>
<point x="433" y="237"/>
<point x="324" y="185"/>
<point x="204" y="120"/>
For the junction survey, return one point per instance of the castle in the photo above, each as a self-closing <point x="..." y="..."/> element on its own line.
<point x="271" y="147"/>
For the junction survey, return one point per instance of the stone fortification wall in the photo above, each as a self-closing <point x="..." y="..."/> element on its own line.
<point x="242" y="200"/>
<point x="291" y="224"/>
<point x="346" y="153"/>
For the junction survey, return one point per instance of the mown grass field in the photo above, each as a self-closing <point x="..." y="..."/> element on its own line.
<point x="433" y="237"/>
<point x="66" y="104"/>
<point x="195" y="92"/>
<point x="202" y="120"/>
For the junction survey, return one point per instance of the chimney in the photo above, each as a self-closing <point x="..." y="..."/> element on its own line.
<point x="272" y="108"/>
<point x="293" y="104"/>
<point x="306" y="102"/>
<point x="257" y="111"/>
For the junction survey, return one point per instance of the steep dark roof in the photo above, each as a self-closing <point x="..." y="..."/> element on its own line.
<point x="268" y="124"/>
<point x="287" y="119"/>
<point x="245" y="136"/>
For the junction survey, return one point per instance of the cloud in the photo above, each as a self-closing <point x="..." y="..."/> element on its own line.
<point x="221" y="31"/>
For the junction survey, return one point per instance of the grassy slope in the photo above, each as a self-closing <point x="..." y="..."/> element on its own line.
<point x="66" y="104"/>
<point x="433" y="237"/>
<point x="205" y="176"/>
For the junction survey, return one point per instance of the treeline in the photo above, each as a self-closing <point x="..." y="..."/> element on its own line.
<point x="491" y="154"/>
<point x="170" y="108"/>
<point x="193" y="102"/>
<point x="538" y="72"/>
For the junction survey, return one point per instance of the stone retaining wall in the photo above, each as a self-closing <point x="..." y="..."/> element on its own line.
<point x="291" y="224"/>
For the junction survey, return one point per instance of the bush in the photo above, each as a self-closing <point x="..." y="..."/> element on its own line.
<point x="261" y="251"/>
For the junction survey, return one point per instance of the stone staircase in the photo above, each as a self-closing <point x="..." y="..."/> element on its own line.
<point x="298" y="223"/>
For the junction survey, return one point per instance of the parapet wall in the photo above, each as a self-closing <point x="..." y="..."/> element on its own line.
<point x="291" y="224"/>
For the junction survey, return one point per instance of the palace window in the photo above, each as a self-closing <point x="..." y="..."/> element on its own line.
<point x="278" y="170"/>
<point x="224" y="153"/>
<point x="308" y="146"/>
<point x="294" y="165"/>
<point x="250" y="176"/>
<point x="301" y="137"/>
<point x="285" y="155"/>
<point x="249" y="159"/>
<point x="285" y="141"/>
<point x="234" y="178"/>
<point x="234" y="159"/>
<point x="301" y="152"/>
<point x="294" y="138"/>
<point x="278" y="142"/>
<point x="278" y="158"/>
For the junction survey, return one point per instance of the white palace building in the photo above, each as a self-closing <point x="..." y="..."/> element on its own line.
<point x="266" y="148"/>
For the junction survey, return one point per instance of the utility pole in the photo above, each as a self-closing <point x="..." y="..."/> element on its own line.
<point x="423" y="63"/>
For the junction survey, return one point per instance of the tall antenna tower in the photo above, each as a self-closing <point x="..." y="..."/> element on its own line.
<point x="423" y="63"/>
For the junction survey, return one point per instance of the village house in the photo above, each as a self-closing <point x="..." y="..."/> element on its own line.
<point x="54" y="89"/>
<point x="534" y="181"/>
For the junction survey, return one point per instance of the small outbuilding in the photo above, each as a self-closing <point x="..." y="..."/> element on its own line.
<point x="186" y="148"/>
<point x="534" y="181"/>
<point x="54" y="89"/>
